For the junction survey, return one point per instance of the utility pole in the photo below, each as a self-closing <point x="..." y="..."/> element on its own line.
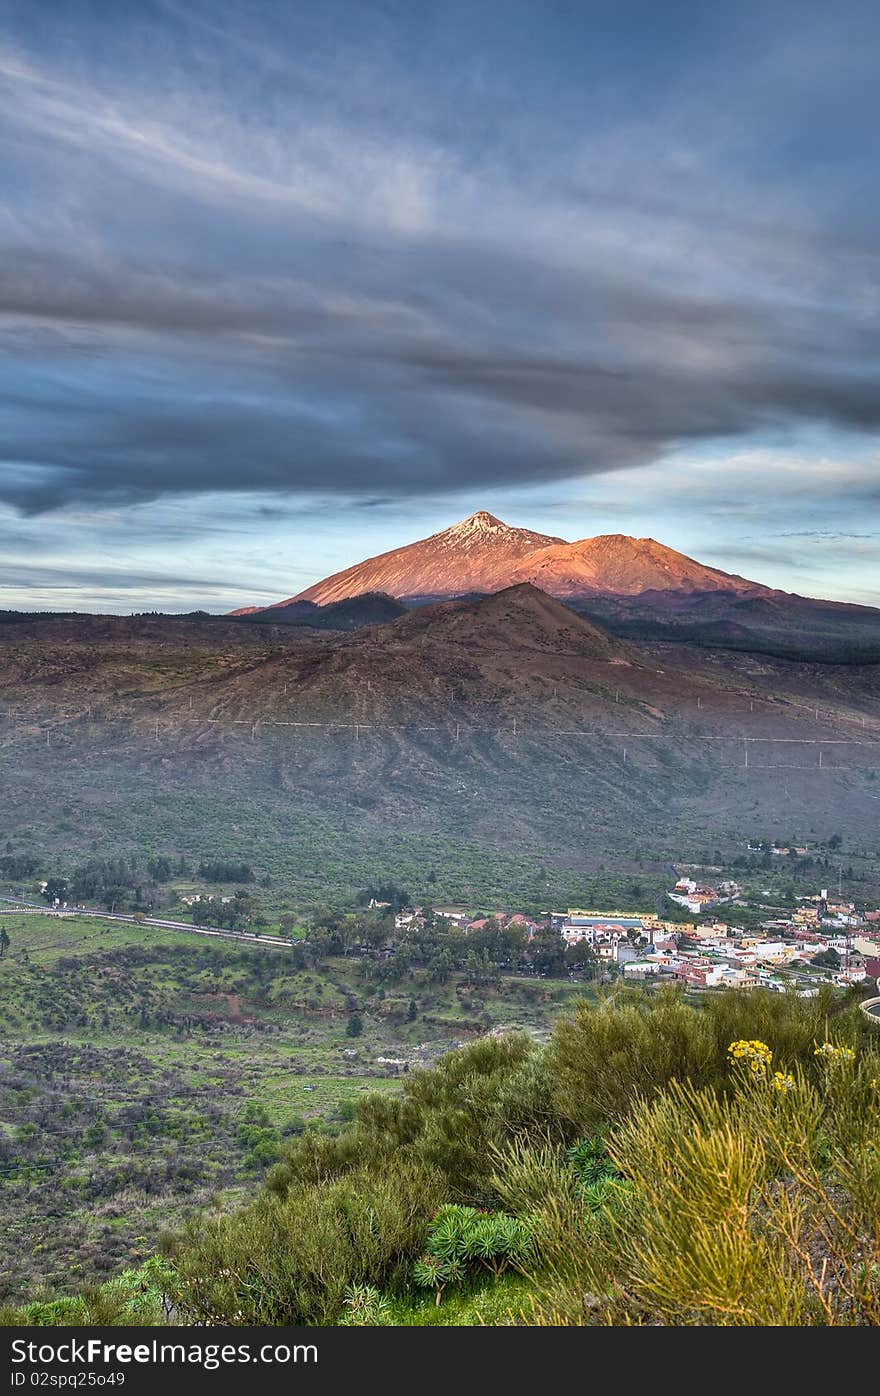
<point x="820" y="756"/>
<point x="157" y="729"/>
<point x="514" y="726"/>
<point x="746" y="755"/>
<point x="457" y="731"/>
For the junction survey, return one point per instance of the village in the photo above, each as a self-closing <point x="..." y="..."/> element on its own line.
<point x="821" y="939"/>
<point x="703" y="935"/>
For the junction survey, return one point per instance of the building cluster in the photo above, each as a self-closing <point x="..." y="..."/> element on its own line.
<point x="778" y="850"/>
<point x="465" y="919"/>
<point x="617" y="936"/>
<point x="710" y="955"/>
<point x="725" y="956"/>
<point x="697" y="897"/>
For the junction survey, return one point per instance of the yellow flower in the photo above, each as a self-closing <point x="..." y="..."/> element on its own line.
<point x="829" y="1052"/>
<point x="757" y="1055"/>
<point x="782" y="1081"/>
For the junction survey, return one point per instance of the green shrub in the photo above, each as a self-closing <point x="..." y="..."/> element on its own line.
<point x="445" y="1119"/>
<point x="141" y="1296"/>
<point x="632" y="1045"/>
<point x="637" y="1042"/>
<point x="290" y="1260"/>
<point x="754" y="1206"/>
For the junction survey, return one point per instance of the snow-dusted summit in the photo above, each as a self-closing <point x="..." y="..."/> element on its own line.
<point x="484" y="554"/>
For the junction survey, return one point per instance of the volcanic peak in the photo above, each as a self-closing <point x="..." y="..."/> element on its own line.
<point x="485" y="527"/>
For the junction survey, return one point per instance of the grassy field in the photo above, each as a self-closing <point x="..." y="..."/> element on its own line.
<point x="147" y="1075"/>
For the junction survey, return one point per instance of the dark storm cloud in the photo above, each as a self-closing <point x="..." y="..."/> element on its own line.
<point x="355" y="265"/>
<point x="270" y="386"/>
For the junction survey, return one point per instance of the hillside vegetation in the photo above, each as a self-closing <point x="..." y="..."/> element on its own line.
<point x="147" y="1074"/>
<point x="655" y="1164"/>
<point x="507" y="734"/>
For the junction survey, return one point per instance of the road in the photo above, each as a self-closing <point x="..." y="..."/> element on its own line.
<point x="216" y="931"/>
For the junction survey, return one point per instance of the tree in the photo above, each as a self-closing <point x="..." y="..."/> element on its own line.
<point x="237" y="913"/>
<point x="546" y="951"/>
<point x="355" y="1025"/>
<point x="4" y="941"/>
<point x="375" y="932"/>
<point x="159" y="869"/>
<point x="827" y="959"/>
<point x="582" y="956"/>
<point x="835" y="841"/>
<point x="412" y="1011"/>
<point x="226" y="870"/>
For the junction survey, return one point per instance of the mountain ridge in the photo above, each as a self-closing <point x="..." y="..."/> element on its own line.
<point x="482" y="554"/>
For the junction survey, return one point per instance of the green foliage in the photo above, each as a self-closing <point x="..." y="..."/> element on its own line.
<point x="291" y="1261"/>
<point x="633" y="1172"/>
<point x="754" y="1206"/>
<point x="256" y="1135"/>
<point x="444" y="1119"/>
<point x="462" y="1240"/>
<point x="431" y="1272"/>
<point x="591" y="1162"/>
<point x="638" y="1042"/>
<point x="380" y="892"/>
<point x="365" y="1307"/>
<point x="826" y="959"/>
<point x="631" y="1045"/>
<point x="226" y="870"/>
<point x="140" y="1296"/>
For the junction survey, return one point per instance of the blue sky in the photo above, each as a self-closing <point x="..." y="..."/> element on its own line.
<point x="284" y="285"/>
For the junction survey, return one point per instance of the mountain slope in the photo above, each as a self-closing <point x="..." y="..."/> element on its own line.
<point x="482" y="554"/>
<point x="520" y="618"/>
<point x="367" y="608"/>
<point x="479" y="555"/>
<point x="622" y="566"/>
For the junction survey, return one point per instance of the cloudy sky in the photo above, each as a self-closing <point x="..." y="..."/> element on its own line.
<point x="288" y="283"/>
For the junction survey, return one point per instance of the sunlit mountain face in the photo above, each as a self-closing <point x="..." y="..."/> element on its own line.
<point x="483" y="554"/>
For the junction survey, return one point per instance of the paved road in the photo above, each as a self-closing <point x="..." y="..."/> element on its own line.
<point x="216" y="931"/>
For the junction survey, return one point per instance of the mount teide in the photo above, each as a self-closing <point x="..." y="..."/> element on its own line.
<point x="482" y="554"/>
